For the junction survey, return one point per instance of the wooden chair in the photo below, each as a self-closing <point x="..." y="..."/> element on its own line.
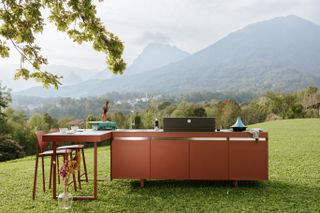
<point x="41" y="153"/>
<point x="77" y="148"/>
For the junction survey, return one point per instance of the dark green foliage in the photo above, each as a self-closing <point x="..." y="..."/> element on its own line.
<point x="91" y="117"/>
<point x="229" y="112"/>
<point x="20" y="130"/>
<point x="184" y="109"/>
<point x="295" y="111"/>
<point x="254" y="112"/>
<point x="225" y="112"/>
<point x="197" y="97"/>
<point x="17" y="131"/>
<point x="10" y="149"/>
<point x="52" y="122"/>
<point x="81" y="108"/>
<point x="137" y="121"/>
<point x="285" y="105"/>
<point x="312" y="113"/>
<point x="199" y="112"/>
<point x="148" y="117"/>
<point x="164" y="105"/>
<point x="311" y="90"/>
<point x="5" y="99"/>
<point x="120" y="119"/>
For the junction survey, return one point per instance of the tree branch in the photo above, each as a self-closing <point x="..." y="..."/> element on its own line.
<point x="21" y="52"/>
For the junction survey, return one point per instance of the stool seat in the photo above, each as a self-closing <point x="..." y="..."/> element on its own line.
<point x="58" y="152"/>
<point x="75" y="146"/>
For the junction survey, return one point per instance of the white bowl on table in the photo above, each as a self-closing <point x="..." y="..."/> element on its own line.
<point x="74" y="128"/>
<point x="63" y="130"/>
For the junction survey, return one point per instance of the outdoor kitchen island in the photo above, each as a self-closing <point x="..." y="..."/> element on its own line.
<point x="225" y="155"/>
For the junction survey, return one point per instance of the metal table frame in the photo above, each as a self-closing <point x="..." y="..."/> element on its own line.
<point x="87" y="136"/>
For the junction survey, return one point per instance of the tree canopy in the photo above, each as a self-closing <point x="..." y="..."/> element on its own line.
<point x="5" y="99"/>
<point x="20" y="20"/>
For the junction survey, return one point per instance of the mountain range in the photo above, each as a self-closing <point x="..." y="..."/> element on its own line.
<point x="156" y="55"/>
<point x="281" y="54"/>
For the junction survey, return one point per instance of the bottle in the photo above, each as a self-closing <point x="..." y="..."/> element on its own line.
<point x="156" y="124"/>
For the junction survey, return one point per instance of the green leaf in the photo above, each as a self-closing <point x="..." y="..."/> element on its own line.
<point x="21" y="20"/>
<point x="22" y="73"/>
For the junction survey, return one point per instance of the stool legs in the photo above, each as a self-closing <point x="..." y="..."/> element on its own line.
<point x="73" y="177"/>
<point x="58" y="169"/>
<point x="51" y="174"/>
<point x="35" y="179"/>
<point x="84" y="165"/>
<point x="79" y="180"/>
<point x="50" y="178"/>
<point x="43" y="176"/>
<point x="36" y="175"/>
<point x="58" y="173"/>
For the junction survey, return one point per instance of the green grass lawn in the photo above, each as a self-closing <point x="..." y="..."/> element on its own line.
<point x="294" y="185"/>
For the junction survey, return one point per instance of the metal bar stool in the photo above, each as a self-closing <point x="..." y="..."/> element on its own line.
<point x="40" y="152"/>
<point x="77" y="148"/>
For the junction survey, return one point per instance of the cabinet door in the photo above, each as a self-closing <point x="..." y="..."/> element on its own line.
<point x="209" y="160"/>
<point x="248" y="160"/>
<point x="169" y="159"/>
<point x="130" y="159"/>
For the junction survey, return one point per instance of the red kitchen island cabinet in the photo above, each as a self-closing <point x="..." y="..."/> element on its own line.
<point x="147" y="154"/>
<point x="248" y="160"/>
<point x="209" y="160"/>
<point x="130" y="158"/>
<point x="169" y="159"/>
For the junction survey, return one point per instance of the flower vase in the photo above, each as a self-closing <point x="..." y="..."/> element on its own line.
<point x="65" y="198"/>
<point x="104" y="117"/>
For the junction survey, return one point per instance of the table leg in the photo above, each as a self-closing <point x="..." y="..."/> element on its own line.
<point x="54" y="194"/>
<point x="141" y="183"/>
<point x="95" y="171"/>
<point x="235" y="183"/>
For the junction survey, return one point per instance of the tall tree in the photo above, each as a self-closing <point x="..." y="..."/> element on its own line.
<point x="229" y="112"/>
<point x="20" y="20"/>
<point x="5" y="99"/>
<point x="199" y="112"/>
<point x="285" y="105"/>
<point x="9" y="149"/>
<point x="19" y="130"/>
<point x="120" y="119"/>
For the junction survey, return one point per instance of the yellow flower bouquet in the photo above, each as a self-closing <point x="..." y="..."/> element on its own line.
<point x="69" y="167"/>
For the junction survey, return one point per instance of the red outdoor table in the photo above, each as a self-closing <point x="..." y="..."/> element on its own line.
<point x="89" y="136"/>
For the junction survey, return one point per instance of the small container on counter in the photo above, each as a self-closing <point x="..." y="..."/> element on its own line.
<point x="156" y="124"/>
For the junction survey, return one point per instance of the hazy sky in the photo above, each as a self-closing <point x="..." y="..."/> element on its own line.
<point x="187" y="24"/>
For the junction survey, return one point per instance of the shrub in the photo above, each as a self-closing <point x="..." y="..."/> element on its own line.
<point x="10" y="149"/>
<point x="199" y="112"/>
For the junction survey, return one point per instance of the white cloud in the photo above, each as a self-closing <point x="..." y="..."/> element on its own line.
<point x="152" y="37"/>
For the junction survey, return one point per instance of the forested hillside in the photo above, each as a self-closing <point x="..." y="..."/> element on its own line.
<point x="18" y="126"/>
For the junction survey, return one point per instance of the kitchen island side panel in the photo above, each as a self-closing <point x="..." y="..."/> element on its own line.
<point x="248" y="160"/>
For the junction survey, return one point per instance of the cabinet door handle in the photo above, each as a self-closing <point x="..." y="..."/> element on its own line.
<point x="189" y="139"/>
<point x="247" y="139"/>
<point x="131" y="138"/>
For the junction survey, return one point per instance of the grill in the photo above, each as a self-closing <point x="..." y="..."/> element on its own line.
<point x="188" y="124"/>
